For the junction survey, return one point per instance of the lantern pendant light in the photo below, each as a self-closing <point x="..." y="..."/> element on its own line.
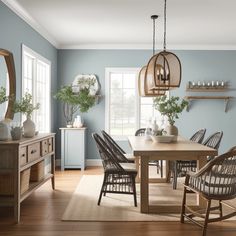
<point x="144" y="89"/>
<point x="163" y="69"/>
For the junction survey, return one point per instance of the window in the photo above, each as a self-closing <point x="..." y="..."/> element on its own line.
<point x="36" y="74"/>
<point x="125" y="110"/>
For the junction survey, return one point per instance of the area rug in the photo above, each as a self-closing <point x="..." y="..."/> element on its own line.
<point x="117" y="207"/>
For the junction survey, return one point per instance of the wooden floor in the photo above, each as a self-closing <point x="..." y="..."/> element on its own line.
<point x="41" y="215"/>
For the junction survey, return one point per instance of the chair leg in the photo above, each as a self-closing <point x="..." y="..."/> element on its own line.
<point x="183" y="206"/>
<point x="102" y="188"/>
<point x="161" y="161"/>
<point x="207" y="217"/>
<point x="175" y="175"/>
<point x="220" y="208"/>
<point x="134" y="190"/>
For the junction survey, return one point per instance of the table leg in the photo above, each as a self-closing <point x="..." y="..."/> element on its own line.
<point x="144" y="194"/>
<point x="137" y="163"/>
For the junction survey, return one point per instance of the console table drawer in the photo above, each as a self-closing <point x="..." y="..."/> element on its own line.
<point x="23" y="156"/>
<point x="50" y="145"/>
<point x="44" y="147"/>
<point x="33" y="152"/>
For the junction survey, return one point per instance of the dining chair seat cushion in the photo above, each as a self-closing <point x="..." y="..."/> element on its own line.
<point x="129" y="167"/>
<point x="130" y="157"/>
<point x="210" y="185"/>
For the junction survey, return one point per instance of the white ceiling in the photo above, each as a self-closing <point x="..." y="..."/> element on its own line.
<point x="191" y="24"/>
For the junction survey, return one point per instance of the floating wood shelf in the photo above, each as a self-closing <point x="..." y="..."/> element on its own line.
<point x="225" y="98"/>
<point x="207" y="89"/>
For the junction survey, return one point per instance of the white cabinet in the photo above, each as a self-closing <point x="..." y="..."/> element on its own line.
<point x="73" y="148"/>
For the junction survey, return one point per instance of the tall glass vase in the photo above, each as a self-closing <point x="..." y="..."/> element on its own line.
<point x="69" y="111"/>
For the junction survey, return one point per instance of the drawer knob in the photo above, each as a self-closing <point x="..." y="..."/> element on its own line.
<point x="33" y="151"/>
<point x="23" y="155"/>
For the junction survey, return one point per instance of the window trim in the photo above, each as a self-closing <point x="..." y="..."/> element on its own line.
<point x="108" y="71"/>
<point x="36" y="56"/>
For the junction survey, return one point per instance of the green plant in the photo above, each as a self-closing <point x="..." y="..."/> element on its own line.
<point x="82" y="100"/>
<point x="25" y="105"/>
<point x="3" y="96"/>
<point x="170" y="107"/>
<point x="159" y="132"/>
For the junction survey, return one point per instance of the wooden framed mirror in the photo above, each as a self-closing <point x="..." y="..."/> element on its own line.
<point x="8" y="81"/>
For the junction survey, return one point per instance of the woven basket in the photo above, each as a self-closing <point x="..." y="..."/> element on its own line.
<point x="7" y="183"/>
<point x="37" y="172"/>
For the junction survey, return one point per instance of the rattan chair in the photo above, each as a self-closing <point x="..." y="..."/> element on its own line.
<point x="120" y="153"/>
<point x="215" y="181"/>
<point x="213" y="141"/>
<point x="118" y="177"/>
<point x="159" y="166"/>
<point x="179" y="168"/>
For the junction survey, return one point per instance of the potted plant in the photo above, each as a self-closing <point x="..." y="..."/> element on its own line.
<point x="81" y="100"/>
<point x="26" y="107"/>
<point x="170" y="107"/>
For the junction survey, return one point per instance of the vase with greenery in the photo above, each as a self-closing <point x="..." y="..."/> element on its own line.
<point x="171" y="108"/>
<point x="73" y="102"/>
<point x="26" y="107"/>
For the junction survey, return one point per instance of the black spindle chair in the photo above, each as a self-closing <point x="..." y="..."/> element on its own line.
<point x="118" y="177"/>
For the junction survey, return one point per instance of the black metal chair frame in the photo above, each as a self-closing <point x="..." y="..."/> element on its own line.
<point x="116" y="178"/>
<point x="215" y="181"/>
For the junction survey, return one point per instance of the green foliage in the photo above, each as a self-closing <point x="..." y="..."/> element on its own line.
<point x="82" y="100"/>
<point x="170" y="107"/>
<point x="159" y="132"/>
<point x="25" y="105"/>
<point x="3" y="97"/>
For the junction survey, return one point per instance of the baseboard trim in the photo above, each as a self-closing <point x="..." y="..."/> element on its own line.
<point x="88" y="162"/>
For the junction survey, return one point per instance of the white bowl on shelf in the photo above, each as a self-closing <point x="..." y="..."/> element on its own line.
<point x="163" y="138"/>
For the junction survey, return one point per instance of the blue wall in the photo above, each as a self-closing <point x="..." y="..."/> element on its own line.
<point x="196" y="65"/>
<point x="14" y="33"/>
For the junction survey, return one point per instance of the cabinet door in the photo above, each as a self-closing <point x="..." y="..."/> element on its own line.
<point x="74" y="148"/>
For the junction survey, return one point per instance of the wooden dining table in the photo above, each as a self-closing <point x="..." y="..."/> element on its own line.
<point x="148" y="150"/>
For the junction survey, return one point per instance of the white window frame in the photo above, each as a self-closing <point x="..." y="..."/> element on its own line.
<point x="108" y="71"/>
<point x="36" y="56"/>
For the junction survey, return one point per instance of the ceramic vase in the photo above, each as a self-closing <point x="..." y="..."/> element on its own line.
<point x="172" y="130"/>
<point x="29" y="128"/>
<point x="16" y="133"/>
<point x="4" y="130"/>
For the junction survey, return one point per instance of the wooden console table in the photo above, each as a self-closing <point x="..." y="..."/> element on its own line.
<point x="17" y="159"/>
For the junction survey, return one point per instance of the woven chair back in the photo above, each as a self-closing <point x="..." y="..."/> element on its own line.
<point x="109" y="159"/>
<point x="111" y="142"/>
<point x="140" y="132"/>
<point x="214" y="140"/>
<point x="198" y="136"/>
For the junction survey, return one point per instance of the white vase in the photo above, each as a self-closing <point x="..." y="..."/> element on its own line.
<point x="154" y="127"/>
<point x="4" y="130"/>
<point x="29" y="128"/>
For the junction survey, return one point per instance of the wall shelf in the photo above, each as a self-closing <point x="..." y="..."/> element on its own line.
<point x="190" y="99"/>
<point x="207" y="89"/>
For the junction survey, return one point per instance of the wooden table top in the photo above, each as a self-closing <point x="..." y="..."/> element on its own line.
<point x="143" y="147"/>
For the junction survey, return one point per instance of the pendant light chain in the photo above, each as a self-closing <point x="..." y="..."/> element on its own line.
<point x="165" y="26"/>
<point x="154" y="36"/>
<point x="154" y="17"/>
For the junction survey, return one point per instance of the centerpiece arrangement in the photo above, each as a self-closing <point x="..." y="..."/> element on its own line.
<point x="26" y="107"/>
<point x="79" y="96"/>
<point x="171" y="108"/>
